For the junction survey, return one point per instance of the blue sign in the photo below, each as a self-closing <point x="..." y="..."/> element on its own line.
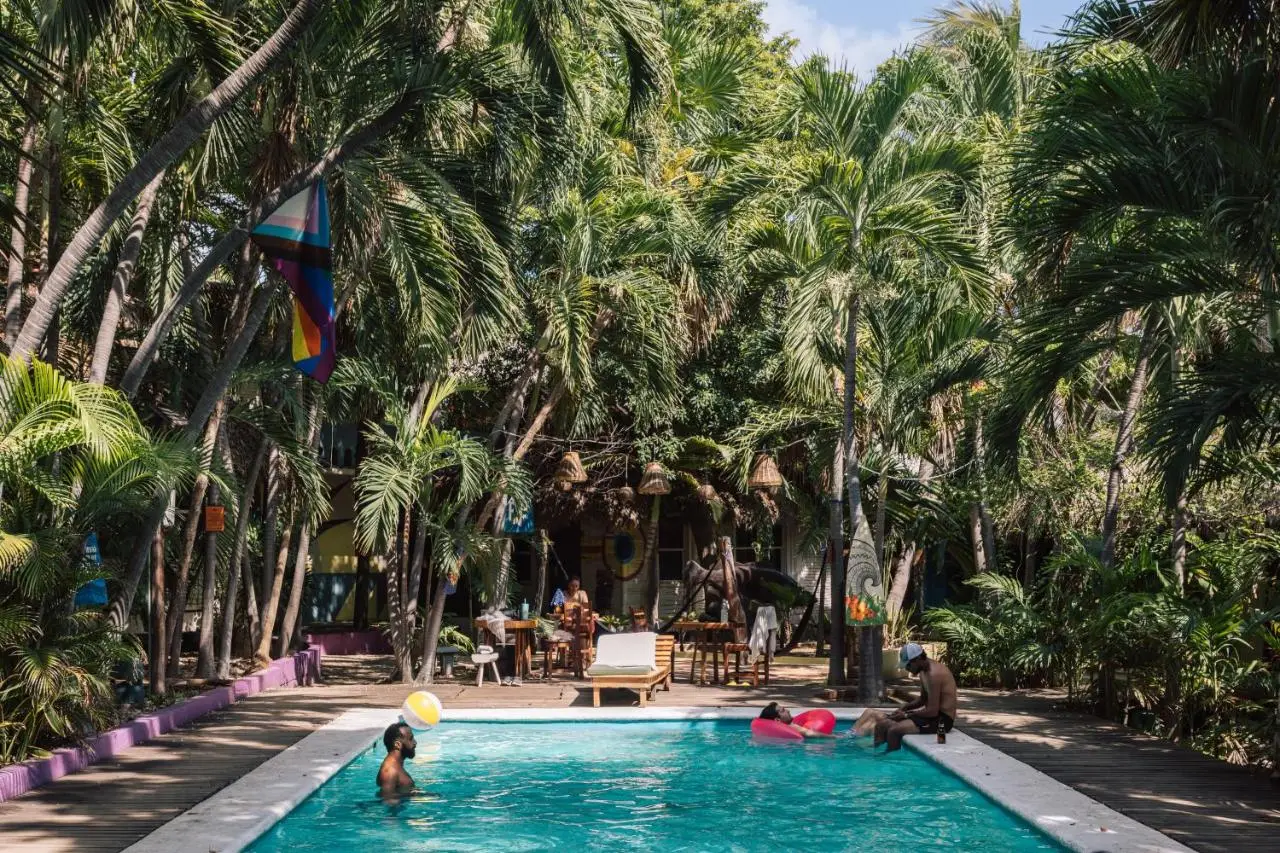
<point x="94" y="593"/>
<point x="511" y="524"/>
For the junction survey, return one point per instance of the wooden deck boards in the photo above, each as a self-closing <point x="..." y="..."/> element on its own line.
<point x="1206" y="804"/>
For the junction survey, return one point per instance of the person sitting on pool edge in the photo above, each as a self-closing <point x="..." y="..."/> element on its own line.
<point x="401" y="747"/>
<point x="934" y="710"/>
<point x="774" y="711"/>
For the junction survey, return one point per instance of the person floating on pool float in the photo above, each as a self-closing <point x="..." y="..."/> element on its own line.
<point x="774" y="711"/>
<point x="935" y="709"/>
<point x="401" y="747"/>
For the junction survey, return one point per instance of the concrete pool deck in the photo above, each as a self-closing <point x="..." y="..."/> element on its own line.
<point x="1205" y="804"/>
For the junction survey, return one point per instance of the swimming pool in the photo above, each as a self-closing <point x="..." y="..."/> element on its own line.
<point x="670" y="786"/>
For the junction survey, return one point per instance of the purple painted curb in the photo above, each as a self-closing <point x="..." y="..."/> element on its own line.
<point x="350" y="643"/>
<point x="300" y="668"/>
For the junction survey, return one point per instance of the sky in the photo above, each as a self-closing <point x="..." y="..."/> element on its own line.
<point x="862" y="33"/>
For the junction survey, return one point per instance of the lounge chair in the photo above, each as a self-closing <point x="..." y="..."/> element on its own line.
<point x="639" y="662"/>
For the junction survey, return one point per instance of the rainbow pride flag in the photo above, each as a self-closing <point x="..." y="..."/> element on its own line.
<point x="296" y="238"/>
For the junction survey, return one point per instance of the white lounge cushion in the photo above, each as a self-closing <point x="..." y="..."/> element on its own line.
<point x="628" y="650"/>
<point x="600" y="670"/>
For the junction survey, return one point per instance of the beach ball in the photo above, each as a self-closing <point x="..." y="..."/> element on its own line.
<point x="422" y="710"/>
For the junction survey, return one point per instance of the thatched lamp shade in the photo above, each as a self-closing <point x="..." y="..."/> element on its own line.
<point x="707" y="493"/>
<point x="571" y="470"/>
<point x="764" y="473"/>
<point x="654" y="481"/>
<point x="625" y="494"/>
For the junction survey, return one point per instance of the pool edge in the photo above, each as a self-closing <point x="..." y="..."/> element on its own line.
<point x="240" y="813"/>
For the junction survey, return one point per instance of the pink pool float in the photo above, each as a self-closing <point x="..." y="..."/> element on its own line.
<point x="817" y="720"/>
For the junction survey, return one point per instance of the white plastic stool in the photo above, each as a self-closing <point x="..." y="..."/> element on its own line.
<point x="485" y="655"/>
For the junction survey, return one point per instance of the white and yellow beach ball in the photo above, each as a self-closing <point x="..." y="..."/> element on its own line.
<point x="422" y="710"/>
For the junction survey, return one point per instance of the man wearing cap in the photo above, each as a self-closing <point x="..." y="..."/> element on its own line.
<point x="934" y="711"/>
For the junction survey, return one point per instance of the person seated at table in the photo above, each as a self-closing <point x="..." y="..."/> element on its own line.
<point x="575" y="596"/>
<point x="774" y="711"/>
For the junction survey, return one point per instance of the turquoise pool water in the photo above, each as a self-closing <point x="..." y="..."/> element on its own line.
<point x="654" y="786"/>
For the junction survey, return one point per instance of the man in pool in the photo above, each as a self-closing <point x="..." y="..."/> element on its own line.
<point x="401" y="747"/>
<point x="934" y="711"/>
<point x="774" y="711"/>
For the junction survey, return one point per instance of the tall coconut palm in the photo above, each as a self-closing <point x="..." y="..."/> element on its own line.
<point x="883" y="187"/>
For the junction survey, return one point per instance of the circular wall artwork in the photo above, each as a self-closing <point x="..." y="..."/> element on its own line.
<point x="624" y="552"/>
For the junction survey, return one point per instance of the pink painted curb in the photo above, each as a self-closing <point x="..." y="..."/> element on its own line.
<point x="350" y="643"/>
<point x="300" y="668"/>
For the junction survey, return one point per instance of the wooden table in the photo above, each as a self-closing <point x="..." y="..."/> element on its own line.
<point x="522" y="630"/>
<point x="709" y="637"/>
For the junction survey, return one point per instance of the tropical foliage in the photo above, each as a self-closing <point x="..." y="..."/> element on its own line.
<point x="1014" y="309"/>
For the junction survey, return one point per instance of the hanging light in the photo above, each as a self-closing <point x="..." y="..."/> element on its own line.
<point x="571" y="470"/>
<point x="764" y="473"/>
<point x="624" y="494"/>
<point x="654" y="481"/>
<point x="707" y="493"/>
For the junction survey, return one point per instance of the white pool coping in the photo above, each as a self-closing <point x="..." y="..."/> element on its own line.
<point x="236" y="816"/>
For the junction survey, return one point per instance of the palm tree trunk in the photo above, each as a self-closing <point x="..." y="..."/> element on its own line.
<point x="901" y="578"/>
<point x="223" y="668"/>
<point x="1124" y="441"/>
<point x="270" y="524"/>
<point x="853" y="475"/>
<point x="166" y="151"/>
<point x="540" y="576"/>
<point x="835" y="533"/>
<point x="189" y="533"/>
<point x="975" y="538"/>
<point x="397" y="602"/>
<point x="18" y="236"/>
<point x="233" y="239"/>
<point x="53" y="249"/>
<point x="431" y="632"/>
<point x="157" y="613"/>
<point x="984" y="542"/>
<point x="271" y="597"/>
<point x="295" y="590"/>
<point x="178" y="604"/>
<point x="125" y="264"/>
<point x="204" y="660"/>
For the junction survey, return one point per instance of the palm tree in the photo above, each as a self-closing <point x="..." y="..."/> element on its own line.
<point x="411" y="479"/>
<point x="881" y="189"/>
<point x="185" y="133"/>
<point x="73" y="460"/>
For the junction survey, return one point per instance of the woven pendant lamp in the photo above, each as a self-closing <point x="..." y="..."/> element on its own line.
<point x="571" y="470"/>
<point x="707" y="493"/>
<point x="654" y="481"/>
<point x="624" y="494"/>
<point x="764" y="473"/>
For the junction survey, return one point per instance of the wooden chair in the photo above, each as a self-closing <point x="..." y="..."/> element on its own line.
<point x="738" y="650"/>
<point x="584" y="640"/>
<point x="577" y="652"/>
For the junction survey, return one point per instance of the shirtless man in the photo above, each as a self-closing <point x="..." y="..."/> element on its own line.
<point x="401" y="747"/>
<point x="934" y="710"/>
<point x="774" y="711"/>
